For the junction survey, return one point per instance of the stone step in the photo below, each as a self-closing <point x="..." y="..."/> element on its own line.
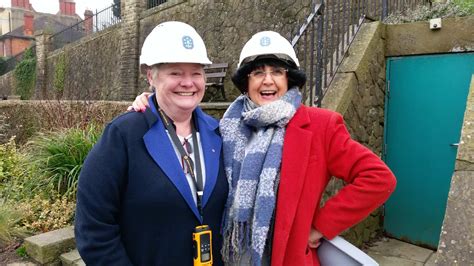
<point x="22" y="264"/>
<point x="72" y="258"/>
<point x="47" y="247"/>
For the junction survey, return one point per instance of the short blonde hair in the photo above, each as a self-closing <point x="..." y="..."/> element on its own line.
<point x="154" y="70"/>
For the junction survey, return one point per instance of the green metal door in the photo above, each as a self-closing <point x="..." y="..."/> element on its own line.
<point x="425" y="104"/>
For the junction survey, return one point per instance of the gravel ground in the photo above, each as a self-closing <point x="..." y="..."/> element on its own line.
<point x="8" y="254"/>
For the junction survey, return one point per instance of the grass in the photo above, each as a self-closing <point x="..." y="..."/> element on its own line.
<point x="21" y="251"/>
<point x="58" y="157"/>
<point x="9" y="219"/>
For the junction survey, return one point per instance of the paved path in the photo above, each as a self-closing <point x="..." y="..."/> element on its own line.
<point x="392" y="252"/>
<point x="387" y="252"/>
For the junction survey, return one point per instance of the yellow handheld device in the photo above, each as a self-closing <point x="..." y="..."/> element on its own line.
<point x="202" y="242"/>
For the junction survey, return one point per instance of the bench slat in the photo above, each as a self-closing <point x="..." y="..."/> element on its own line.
<point x="216" y="75"/>
<point x="218" y="65"/>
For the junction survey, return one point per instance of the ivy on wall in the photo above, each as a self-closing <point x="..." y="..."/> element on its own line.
<point x="25" y="75"/>
<point x="60" y="75"/>
<point x="3" y="65"/>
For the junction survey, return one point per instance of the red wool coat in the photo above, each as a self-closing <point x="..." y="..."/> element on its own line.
<point x="317" y="146"/>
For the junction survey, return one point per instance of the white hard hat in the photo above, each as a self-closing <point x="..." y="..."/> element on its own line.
<point x="173" y="42"/>
<point x="267" y="43"/>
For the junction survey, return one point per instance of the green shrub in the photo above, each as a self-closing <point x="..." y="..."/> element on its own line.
<point x="46" y="214"/>
<point x="3" y="65"/>
<point x="10" y="159"/>
<point x="465" y="5"/>
<point x="25" y="75"/>
<point x="12" y="172"/>
<point x="57" y="158"/>
<point x="60" y="75"/>
<point x="9" y="218"/>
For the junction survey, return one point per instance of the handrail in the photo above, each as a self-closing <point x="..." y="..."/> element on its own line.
<point x="316" y="10"/>
<point x="325" y="36"/>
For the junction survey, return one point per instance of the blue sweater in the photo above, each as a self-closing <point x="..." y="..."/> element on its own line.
<point x="134" y="205"/>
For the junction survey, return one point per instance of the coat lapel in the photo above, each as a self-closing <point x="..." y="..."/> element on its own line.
<point x="161" y="150"/>
<point x="211" y="144"/>
<point x="296" y="152"/>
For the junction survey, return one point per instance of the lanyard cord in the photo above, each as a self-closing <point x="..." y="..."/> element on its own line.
<point x="196" y="176"/>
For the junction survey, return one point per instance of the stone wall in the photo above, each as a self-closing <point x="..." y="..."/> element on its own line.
<point x="91" y="67"/>
<point x="456" y="244"/>
<point x="129" y="47"/>
<point x="455" y="35"/>
<point x="7" y="84"/>
<point x="226" y="25"/>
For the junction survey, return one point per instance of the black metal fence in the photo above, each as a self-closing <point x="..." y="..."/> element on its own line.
<point x="322" y="41"/>
<point x="11" y="62"/>
<point x="99" y="21"/>
<point x="153" y="3"/>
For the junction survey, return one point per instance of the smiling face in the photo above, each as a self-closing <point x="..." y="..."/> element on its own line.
<point x="267" y="84"/>
<point x="179" y="87"/>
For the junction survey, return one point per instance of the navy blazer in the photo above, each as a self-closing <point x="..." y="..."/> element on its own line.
<point x="134" y="205"/>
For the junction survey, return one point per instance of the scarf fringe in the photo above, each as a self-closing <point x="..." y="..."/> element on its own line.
<point x="236" y="241"/>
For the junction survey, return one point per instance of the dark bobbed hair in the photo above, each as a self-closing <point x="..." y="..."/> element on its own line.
<point x="296" y="77"/>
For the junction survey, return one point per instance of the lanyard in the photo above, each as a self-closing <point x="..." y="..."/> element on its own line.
<point x="196" y="175"/>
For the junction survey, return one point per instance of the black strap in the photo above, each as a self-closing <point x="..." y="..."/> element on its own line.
<point x="196" y="175"/>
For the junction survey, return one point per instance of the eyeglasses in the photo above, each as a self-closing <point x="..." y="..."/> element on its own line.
<point x="275" y="73"/>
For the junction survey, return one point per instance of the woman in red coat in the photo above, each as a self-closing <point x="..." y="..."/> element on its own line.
<point x="279" y="156"/>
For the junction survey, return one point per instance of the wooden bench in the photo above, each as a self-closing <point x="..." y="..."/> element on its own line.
<point x="215" y="75"/>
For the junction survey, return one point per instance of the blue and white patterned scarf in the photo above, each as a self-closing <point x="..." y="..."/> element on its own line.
<point x="253" y="170"/>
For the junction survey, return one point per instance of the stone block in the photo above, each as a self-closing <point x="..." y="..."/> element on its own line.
<point x="456" y="240"/>
<point x="71" y="258"/>
<point x="47" y="247"/>
<point x="465" y="155"/>
<point x="366" y="44"/>
<point x="340" y="93"/>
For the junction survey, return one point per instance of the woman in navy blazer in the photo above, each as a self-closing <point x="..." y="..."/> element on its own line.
<point x="136" y="200"/>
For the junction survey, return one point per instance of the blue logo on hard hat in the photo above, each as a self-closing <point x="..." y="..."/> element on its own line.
<point x="265" y="41"/>
<point x="188" y="42"/>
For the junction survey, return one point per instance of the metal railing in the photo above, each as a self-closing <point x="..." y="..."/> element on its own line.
<point x="11" y="62"/>
<point x="153" y="3"/>
<point x="323" y="40"/>
<point x="99" y="21"/>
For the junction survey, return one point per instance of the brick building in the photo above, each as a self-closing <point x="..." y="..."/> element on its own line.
<point x="19" y="22"/>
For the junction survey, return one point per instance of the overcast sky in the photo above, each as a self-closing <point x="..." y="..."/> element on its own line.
<point x="52" y="6"/>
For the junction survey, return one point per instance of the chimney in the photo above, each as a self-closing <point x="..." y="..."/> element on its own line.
<point x="72" y="8"/>
<point x="88" y="21"/>
<point x="21" y="4"/>
<point x="62" y="7"/>
<point x="67" y="7"/>
<point x="28" y="24"/>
